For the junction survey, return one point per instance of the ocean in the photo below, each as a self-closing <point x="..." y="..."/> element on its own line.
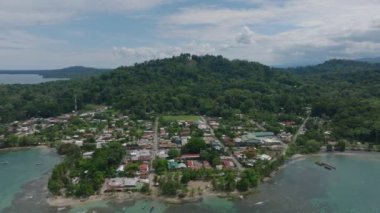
<point x="301" y="186"/>
<point x="25" y="79"/>
<point x="23" y="175"/>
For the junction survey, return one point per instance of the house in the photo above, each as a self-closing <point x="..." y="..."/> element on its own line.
<point x="185" y="132"/>
<point x="288" y="123"/>
<point x="208" y="139"/>
<point x="202" y="126"/>
<point x="263" y="134"/>
<point x="184" y="141"/>
<point x="166" y="144"/>
<point x="140" y="155"/>
<point x="250" y="162"/>
<point x="227" y="141"/>
<point x="100" y="144"/>
<point x="87" y="155"/>
<point x="206" y="165"/>
<point x="121" y="184"/>
<point x="216" y="145"/>
<point x="249" y="139"/>
<point x="264" y="157"/>
<point x="285" y="136"/>
<point x="228" y="164"/>
<point x="194" y="164"/>
<point x="120" y="168"/>
<point x="190" y="156"/>
<point x="177" y="140"/>
<point x="144" y="170"/>
<point x="181" y="166"/>
<point x="270" y="141"/>
<point x="163" y="133"/>
<point x="162" y="153"/>
<point x="172" y="164"/>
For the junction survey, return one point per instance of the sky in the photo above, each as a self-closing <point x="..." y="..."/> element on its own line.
<point x="49" y="34"/>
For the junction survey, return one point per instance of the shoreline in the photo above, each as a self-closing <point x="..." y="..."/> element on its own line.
<point x="23" y="147"/>
<point x="346" y="153"/>
<point x="119" y="197"/>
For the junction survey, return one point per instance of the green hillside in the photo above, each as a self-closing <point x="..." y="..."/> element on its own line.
<point x="346" y="93"/>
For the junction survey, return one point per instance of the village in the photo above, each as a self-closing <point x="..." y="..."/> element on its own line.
<point x="168" y="138"/>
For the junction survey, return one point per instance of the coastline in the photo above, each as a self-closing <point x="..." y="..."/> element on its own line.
<point x="23" y="147"/>
<point x="119" y="197"/>
<point x="206" y="191"/>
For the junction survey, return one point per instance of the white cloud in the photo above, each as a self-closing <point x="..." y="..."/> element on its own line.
<point x="246" y="37"/>
<point x="35" y="12"/>
<point x="23" y="40"/>
<point x="290" y="31"/>
<point x="146" y="53"/>
<point x="269" y="31"/>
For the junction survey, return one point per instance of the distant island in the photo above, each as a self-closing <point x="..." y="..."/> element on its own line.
<point x="370" y="60"/>
<point x="69" y="72"/>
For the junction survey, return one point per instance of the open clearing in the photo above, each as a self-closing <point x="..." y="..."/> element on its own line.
<point x="181" y="117"/>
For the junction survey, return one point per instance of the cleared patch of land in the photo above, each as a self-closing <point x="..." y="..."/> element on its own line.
<point x="181" y="118"/>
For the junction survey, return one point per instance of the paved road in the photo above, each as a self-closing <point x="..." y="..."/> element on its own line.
<point x="155" y="142"/>
<point x="258" y="125"/>
<point x="232" y="157"/>
<point x="154" y="154"/>
<point x="301" y="127"/>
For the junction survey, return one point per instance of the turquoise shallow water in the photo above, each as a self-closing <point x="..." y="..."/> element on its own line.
<point x="301" y="186"/>
<point x="19" y="167"/>
<point x="305" y="187"/>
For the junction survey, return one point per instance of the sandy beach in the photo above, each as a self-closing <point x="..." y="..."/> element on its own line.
<point x="197" y="191"/>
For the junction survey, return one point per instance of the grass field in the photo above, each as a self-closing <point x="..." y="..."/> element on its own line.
<point x="181" y="117"/>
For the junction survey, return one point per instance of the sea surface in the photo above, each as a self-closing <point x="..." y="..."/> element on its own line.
<point x="301" y="186"/>
<point x="25" y="79"/>
<point x="23" y="175"/>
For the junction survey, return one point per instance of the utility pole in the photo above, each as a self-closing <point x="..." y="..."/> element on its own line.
<point x="75" y="102"/>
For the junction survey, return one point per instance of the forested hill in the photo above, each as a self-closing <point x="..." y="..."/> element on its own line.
<point x="349" y="95"/>
<point x="191" y="84"/>
<point x="345" y="92"/>
<point x="370" y="60"/>
<point x="68" y="72"/>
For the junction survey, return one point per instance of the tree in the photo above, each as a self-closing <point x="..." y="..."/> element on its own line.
<point x="186" y="176"/>
<point x="329" y="148"/>
<point x="98" y="179"/>
<point x="68" y="149"/>
<point x="251" y="176"/>
<point x="340" y="146"/>
<point x="173" y="153"/>
<point x="169" y="185"/>
<point x="160" y="165"/>
<point x="55" y="186"/>
<point x="242" y="185"/>
<point x="130" y="169"/>
<point x="311" y="146"/>
<point x="85" y="189"/>
<point x="145" y="188"/>
<point x="194" y="146"/>
<point x="230" y="183"/>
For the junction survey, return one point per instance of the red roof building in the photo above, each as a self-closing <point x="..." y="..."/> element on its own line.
<point x="228" y="164"/>
<point x="190" y="156"/>
<point x="206" y="165"/>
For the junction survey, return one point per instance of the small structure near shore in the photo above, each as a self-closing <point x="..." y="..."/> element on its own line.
<point x="325" y="165"/>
